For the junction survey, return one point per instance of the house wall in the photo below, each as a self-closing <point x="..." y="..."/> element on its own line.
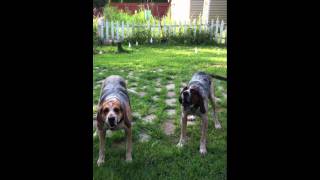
<point x="196" y="7"/>
<point x="191" y="9"/>
<point x="180" y="10"/>
<point x="218" y="8"/>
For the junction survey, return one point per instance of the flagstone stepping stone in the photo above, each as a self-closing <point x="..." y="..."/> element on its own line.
<point x="217" y="99"/>
<point x="224" y="95"/>
<point x="171" y="77"/>
<point x="149" y="118"/>
<point x="183" y="84"/>
<point x="158" y="89"/>
<point x="142" y="94"/>
<point x="133" y="90"/>
<point x="97" y="86"/>
<point x="220" y="88"/>
<point x="143" y="137"/>
<point x="171" y="102"/>
<point x="143" y="87"/>
<point x="171" y="94"/>
<point x="152" y="109"/>
<point x="136" y="115"/>
<point x="109" y="133"/>
<point x="133" y="84"/>
<point x="100" y="82"/>
<point x="94" y="125"/>
<point x="155" y="98"/>
<point x="170" y="87"/>
<point x="191" y="123"/>
<point x="171" y="112"/>
<point x="158" y="82"/>
<point x="169" y="127"/>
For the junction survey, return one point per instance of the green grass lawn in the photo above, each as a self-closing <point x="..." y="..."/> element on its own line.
<point x="147" y="68"/>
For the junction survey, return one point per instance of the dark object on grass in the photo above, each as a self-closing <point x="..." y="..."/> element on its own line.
<point x="120" y="48"/>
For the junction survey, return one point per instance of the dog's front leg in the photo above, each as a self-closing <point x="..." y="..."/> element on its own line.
<point x="204" y="128"/>
<point x="129" y="143"/>
<point x="102" y="148"/>
<point x="183" y="135"/>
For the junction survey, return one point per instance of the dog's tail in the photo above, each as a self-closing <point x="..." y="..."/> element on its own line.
<point x="218" y="77"/>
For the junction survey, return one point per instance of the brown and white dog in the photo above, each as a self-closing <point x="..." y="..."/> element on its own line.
<point x="194" y="100"/>
<point x="114" y="112"/>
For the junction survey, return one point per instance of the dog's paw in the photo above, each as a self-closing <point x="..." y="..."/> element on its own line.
<point x="128" y="158"/>
<point x="180" y="144"/>
<point x="100" y="162"/>
<point x="218" y="126"/>
<point x="203" y="151"/>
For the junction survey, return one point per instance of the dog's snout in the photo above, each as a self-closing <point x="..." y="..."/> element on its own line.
<point x="112" y="121"/>
<point x="185" y="93"/>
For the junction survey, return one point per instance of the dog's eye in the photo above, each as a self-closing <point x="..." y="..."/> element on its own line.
<point x="116" y="110"/>
<point x="106" y="110"/>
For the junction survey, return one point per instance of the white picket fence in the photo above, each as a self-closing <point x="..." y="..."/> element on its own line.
<point x="118" y="31"/>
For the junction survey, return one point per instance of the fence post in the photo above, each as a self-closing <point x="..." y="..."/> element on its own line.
<point x="107" y="30"/>
<point x="117" y="31"/>
<point x="152" y="29"/>
<point x="127" y="31"/>
<point x="122" y="32"/>
<point x="112" y="31"/>
<point x="216" y="29"/>
<point x="195" y="27"/>
<point x="159" y="29"/>
<point x="132" y="29"/>
<point x="200" y="26"/>
<point x="211" y="29"/>
<point x="221" y="31"/>
<point x="101" y="30"/>
<point x="169" y="29"/>
<point x="164" y="29"/>
<point x="174" y="28"/>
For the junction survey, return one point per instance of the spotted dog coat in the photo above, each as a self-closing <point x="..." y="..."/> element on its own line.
<point x="194" y="99"/>
<point x="114" y="112"/>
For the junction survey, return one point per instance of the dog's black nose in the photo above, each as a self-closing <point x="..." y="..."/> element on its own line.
<point x="111" y="121"/>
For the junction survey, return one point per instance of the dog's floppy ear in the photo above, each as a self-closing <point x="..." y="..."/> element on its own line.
<point x="126" y="110"/>
<point x="202" y="107"/>
<point x="99" y="118"/>
<point x="180" y="98"/>
<point x="199" y="98"/>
